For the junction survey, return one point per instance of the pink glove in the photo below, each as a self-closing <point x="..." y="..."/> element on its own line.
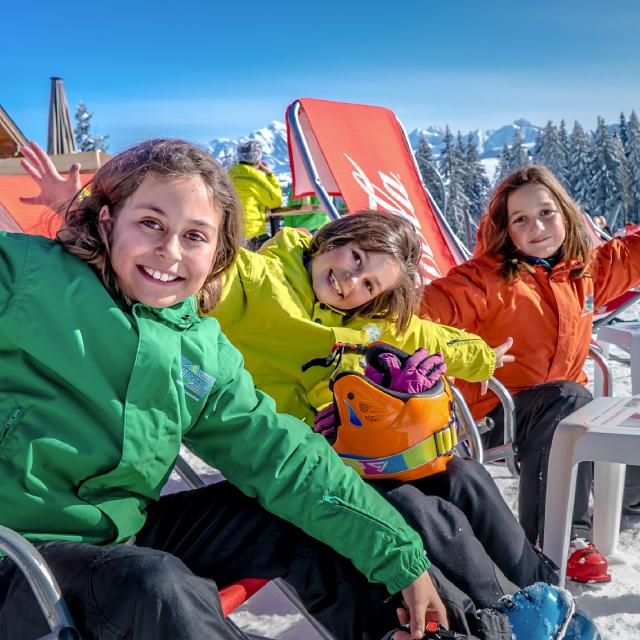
<point x="419" y="372"/>
<point x="325" y="422"/>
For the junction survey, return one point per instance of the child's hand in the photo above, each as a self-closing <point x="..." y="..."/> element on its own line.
<point x="502" y="357"/>
<point x="421" y="604"/>
<point x="55" y="191"/>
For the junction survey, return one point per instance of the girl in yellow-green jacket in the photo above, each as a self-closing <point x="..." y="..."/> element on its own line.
<point x="355" y="282"/>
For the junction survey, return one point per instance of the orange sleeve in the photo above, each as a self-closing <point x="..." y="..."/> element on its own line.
<point x="616" y="268"/>
<point x="460" y="299"/>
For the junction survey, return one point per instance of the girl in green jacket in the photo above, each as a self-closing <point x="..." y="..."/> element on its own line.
<point x="116" y="374"/>
<point x="160" y="223"/>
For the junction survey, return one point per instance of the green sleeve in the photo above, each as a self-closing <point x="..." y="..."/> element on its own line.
<point x="295" y="474"/>
<point x="14" y="251"/>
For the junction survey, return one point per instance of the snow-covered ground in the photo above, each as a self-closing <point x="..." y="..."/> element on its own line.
<point x="614" y="606"/>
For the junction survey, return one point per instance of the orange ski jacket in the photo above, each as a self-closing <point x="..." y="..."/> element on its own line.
<point x="547" y="313"/>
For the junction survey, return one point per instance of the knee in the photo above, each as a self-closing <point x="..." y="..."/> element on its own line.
<point x="465" y="470"/>
<point x="567" y="395"/>
<point x="147" y="575"/>
<point x="425" y="513"/>
<point x="468" y="478"/>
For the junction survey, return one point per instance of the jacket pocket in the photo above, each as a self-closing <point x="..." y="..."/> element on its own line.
<point x="341" y="504"/>
<point x="14" y="417"/>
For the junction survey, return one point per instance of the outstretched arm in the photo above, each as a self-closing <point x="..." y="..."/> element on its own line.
<point x="55" y="191"/>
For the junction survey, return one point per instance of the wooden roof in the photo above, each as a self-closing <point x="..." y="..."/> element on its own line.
<point x="11" y="138"/>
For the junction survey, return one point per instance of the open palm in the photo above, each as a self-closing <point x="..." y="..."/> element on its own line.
<point x="55" y="191"/>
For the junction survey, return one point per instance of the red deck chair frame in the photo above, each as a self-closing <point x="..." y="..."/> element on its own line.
<point x="362" y="153"/>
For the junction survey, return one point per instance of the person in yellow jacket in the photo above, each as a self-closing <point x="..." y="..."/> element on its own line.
<point x="258" y="190"/>
<point x="355" y="282"/>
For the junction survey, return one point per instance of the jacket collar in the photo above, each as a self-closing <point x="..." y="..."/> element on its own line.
<point x="182" y="315"/>
<point x="548" y="263"/>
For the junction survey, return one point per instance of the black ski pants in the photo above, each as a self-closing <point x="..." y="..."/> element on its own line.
<point x="164" y="586"/>
<point x="539" y="410"/>
<point x="631" y="498"/>
<point x="468" y="529"/>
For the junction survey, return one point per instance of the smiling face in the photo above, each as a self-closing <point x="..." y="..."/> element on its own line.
<point x="163" y="240"/>
<point x="535" y="221"/>
<point x="348" y="277"/>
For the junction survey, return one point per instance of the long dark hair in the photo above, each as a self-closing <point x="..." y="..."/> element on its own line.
<point x="494" y="228"/>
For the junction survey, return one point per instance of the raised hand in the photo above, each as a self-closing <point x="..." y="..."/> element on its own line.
<point x="502" y="357"/>
<point x="55" y="191"/>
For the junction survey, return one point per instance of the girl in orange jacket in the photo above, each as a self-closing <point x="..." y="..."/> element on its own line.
<point x="536" y="277"/>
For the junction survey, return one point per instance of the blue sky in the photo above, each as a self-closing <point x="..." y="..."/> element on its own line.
<point x="217" y="68"/>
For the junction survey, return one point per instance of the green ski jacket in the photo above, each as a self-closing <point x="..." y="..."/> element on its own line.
<point x="96" y="398"/>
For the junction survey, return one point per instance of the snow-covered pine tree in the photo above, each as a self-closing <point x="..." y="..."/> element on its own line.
<point x="579" y="167"/>
<point x="633" y="163"/>
<point x="550" y="151"/>
<point x="81" y="132"/>
<point x="504" y="164"/>
<point x="428" y="170"/>
<point x="457" y="201"/>
<point x="477" y="185"/>
<point x="622" y="130"/>
<point x="563" y="136"/>
<point x="609" y="182"/>
<point x="623" y="175"/>
<point x="518" y="156"/>
<point x="85" y="138"/>
<point x="446" y="158"/>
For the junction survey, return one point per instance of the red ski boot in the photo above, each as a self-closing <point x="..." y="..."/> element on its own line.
<point x="586" y="563"/>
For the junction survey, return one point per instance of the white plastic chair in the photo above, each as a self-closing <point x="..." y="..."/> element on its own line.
<point x="593" y="433"/>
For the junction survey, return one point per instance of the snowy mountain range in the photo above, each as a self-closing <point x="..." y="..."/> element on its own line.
<point x="489" y="141"/>
<point x="273" y="139"/>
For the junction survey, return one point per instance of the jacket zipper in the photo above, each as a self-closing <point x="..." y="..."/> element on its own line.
<point x="341" y="503"/>
<point x="13" y="417"/>
<point x="457" y="340"/>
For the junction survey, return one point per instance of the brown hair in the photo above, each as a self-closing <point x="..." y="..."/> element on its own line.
<point x="114" y="182"/>
<point x="380" y="233"/>
<point x="493" y="234"/>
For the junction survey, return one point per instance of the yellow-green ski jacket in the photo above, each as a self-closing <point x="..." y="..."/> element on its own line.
<point x="269" y="311"/>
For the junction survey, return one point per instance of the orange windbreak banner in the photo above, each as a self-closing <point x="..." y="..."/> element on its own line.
<point x="361" y="153"/>
<point x="15" y="216"/>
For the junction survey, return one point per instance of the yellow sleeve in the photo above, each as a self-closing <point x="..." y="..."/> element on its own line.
<point x="466" y="355"/>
